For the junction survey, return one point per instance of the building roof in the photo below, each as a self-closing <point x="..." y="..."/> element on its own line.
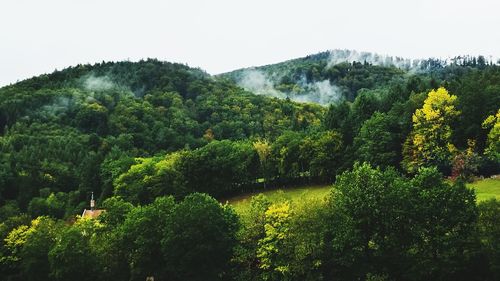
<point x="92" y="214"/>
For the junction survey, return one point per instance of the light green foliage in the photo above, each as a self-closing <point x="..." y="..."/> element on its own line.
<point x="252" y="230"/>
<point x="493" y="144"/>
<point x="150" y="178"/>
<point x="14" y="243"/>
<point x="28" y="247"/>
<point x="304" y="193"/>
<point x="486" y="189"/>
<point x="272" y="252"/>
<point x="263" y="149"/>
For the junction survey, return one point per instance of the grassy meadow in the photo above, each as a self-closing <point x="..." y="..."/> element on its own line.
<point x="485" y="189"/>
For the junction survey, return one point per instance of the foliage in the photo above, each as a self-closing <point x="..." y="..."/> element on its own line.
<point x="271" y="247"/>
<point x="430" y="141"/>
<point x="199" y="239"/>
<point x="493" y="144"/>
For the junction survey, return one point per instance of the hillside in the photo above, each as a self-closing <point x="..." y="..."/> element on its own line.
<point x="79" y="130"/>
<point x="332" y="76"/>
<point x="64" y="133"/>
<point x="158" y="144"/>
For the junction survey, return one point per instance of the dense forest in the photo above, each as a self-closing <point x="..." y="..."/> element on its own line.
<point x="161" y="144"/>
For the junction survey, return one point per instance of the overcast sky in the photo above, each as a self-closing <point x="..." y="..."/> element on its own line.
<point x="221" y="35"/>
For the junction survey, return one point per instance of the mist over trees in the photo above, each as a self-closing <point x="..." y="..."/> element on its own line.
<point x="161" y="144"/>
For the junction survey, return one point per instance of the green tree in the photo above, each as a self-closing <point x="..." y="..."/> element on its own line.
<point x="142" y="233"/>
<point x="493" y="143"/>
<point x="252" y="230"/>
<point x="444" y="225"/>
<point x="326" y="156"/>
<point x="199" y="239"/>
<point x="29" y="246"/>
<point x="371" y="211"/>
<point x="72" y="257"/>
<point x="263" y="149"/>
<point x="41" y="237"/>
<point x="378" y="141"/>
<point x="489" y="231"/>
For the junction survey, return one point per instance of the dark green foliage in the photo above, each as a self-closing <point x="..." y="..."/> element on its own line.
<point x="383" y="224"/>
<point x="379" y="140"/>
<point x="199" y="239"/>
<point x="489" y="231"/>
<point x="220" y="167"/>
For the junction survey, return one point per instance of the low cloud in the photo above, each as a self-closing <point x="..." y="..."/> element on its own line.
<point x="259" y="83"/>
<point x="321" y="92"/>
<point x="102" y="83"/>
<point x="350" y="56"/>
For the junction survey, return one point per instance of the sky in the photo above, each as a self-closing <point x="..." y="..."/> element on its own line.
<point x="38" y="36"/>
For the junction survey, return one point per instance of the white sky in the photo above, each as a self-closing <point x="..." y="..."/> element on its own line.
<point x="221" y="35"/>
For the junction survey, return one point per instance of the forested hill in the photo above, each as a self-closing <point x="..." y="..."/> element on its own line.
<point x="120" y="128"/>
<point x="331" y="76"/>
<point x="65" y="133"/>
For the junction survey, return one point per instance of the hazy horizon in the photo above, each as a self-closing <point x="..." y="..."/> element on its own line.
<point x="219" y="36"/>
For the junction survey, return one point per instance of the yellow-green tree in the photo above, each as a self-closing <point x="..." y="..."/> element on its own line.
<point x="272" y="251"/>
<point x="429" y="144"/>
<point x="493" y="144"/>
<point x="263" y="149"/>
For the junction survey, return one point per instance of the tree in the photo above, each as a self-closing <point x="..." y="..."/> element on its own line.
<point x="327" y="153"/>
<point x="444" y="227"/>
<point x="263" y="149"/>
<point x="252" y="230"/>
<point x="339" y="117"/>
<point x="489" y="231"/>
<point x="72" y="257"/>
<point x="493" y="143"/>
<point x="40" y="238"/>
<point x="150" y="178"/>
<point x="430" y="141"/>
<point x="371" y="212"/>
<point x="28" y="247"/>
<point x="378" y="141"/>
<point x="142" y="232"/>
<point x="199" y="239"/>
<point x="306" y="240"/>
<point x="272" y="252"/>
<point x="220" y="167"/>
<point x="465" y="164"/>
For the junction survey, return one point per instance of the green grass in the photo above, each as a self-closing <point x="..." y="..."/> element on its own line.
<point x="242" y="202"/>
<point x="486" y="189"/>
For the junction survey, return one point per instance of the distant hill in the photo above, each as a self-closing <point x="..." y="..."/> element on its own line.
<point x="331" y="76"/>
